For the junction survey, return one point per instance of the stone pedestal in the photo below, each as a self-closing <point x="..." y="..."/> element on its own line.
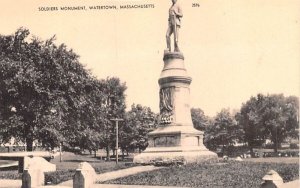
<point x="176" y="138"/>
<point x="85" y="176"/>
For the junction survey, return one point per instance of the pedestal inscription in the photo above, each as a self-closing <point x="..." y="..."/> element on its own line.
<point x="166" y="141"/>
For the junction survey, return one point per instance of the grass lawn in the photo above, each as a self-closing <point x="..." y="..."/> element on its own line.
<point x="66" y="168"/>
<point x="232" y="174"/>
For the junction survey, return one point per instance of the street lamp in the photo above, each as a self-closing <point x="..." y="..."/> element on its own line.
<point x="117" y="137"/>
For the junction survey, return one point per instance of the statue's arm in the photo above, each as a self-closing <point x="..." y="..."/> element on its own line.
<point x="178" y="11"/>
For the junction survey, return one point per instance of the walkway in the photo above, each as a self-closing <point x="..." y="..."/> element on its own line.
<point x="117" y="174"/>
<point x="10" y="183"/>
<point x="100" y="178"/>
<point x="292" y="184"/>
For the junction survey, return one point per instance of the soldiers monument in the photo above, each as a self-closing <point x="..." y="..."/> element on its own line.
<point x="176" y="138"/>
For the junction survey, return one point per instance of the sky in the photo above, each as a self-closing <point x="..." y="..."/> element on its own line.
<point x="233" y="49"/>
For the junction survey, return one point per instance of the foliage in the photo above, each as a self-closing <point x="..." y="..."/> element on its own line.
<point x="279" y="117"/>
<point x="114" y="107"/>
<point x="139" y="121"/>
<point x="285" y="153"/>
<point x="88" y="118"/>
<point x="223" y="131"/>
<point x="10" y="174"/>
<point x="58" y="176"/>
<point x="43" y="90"/>
<point x="248" y="118"/>
<point x="272" y="116"/>
<point x="233" y="174"/>
<point x="47" y="95"/>
<point x="234" y="151"/>
<point x="200" y="120"/>
<point x="294" y="146"/>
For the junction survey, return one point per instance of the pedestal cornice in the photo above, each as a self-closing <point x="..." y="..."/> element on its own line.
<point x="173" y="55"/>
<point x="177" y="79"/>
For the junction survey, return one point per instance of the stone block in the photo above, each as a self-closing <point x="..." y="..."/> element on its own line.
<point x="38" y="163"/>
<point x="32" y="178"/>
<point x="272" y="180"/>
<point x="85" y="176"/>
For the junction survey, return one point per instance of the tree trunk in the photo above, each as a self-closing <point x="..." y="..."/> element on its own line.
<point x="123" y="153"/>
<point x="29" y="143"/>
<point x="250" y="147"/>
<point x="275" y="147"/>
<point x="95" y="153"/>
<point x="107" y="153"/>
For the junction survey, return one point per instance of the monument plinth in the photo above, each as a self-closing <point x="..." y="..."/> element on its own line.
<point x="176" y="138"/>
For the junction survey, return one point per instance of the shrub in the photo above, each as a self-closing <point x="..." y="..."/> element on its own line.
<point x="281" y="154"/>
<point x="13" y="174"/>
<point x="58" y="176"/>
<point x="234" y="151"/>
<point x="168" y="162"/>
<point x="294" y="146"/>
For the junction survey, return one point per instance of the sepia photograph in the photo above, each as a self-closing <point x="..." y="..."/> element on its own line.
<point x="148" y="93"/>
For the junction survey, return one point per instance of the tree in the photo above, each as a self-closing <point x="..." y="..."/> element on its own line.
<point x="45" y="93"/>
<point x="88" y="133"/>
<point x="292" y="111"/>
<point x="139" y="121"/>
<point x="249" y="119"/>
<point x="114" y="107"/>
<point x="200" y="121"/>
<point x="223" y="131"/>
<point x="271" y="116"/>
<point x="279" y="117"/>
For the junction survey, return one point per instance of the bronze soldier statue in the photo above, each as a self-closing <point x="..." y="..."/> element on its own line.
<point x="175" y="15"/>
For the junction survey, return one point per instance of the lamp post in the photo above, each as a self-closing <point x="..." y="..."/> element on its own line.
<point x="117" y="137"/>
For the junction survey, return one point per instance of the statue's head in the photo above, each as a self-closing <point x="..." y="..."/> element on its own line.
<point x="174" y="1"/>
